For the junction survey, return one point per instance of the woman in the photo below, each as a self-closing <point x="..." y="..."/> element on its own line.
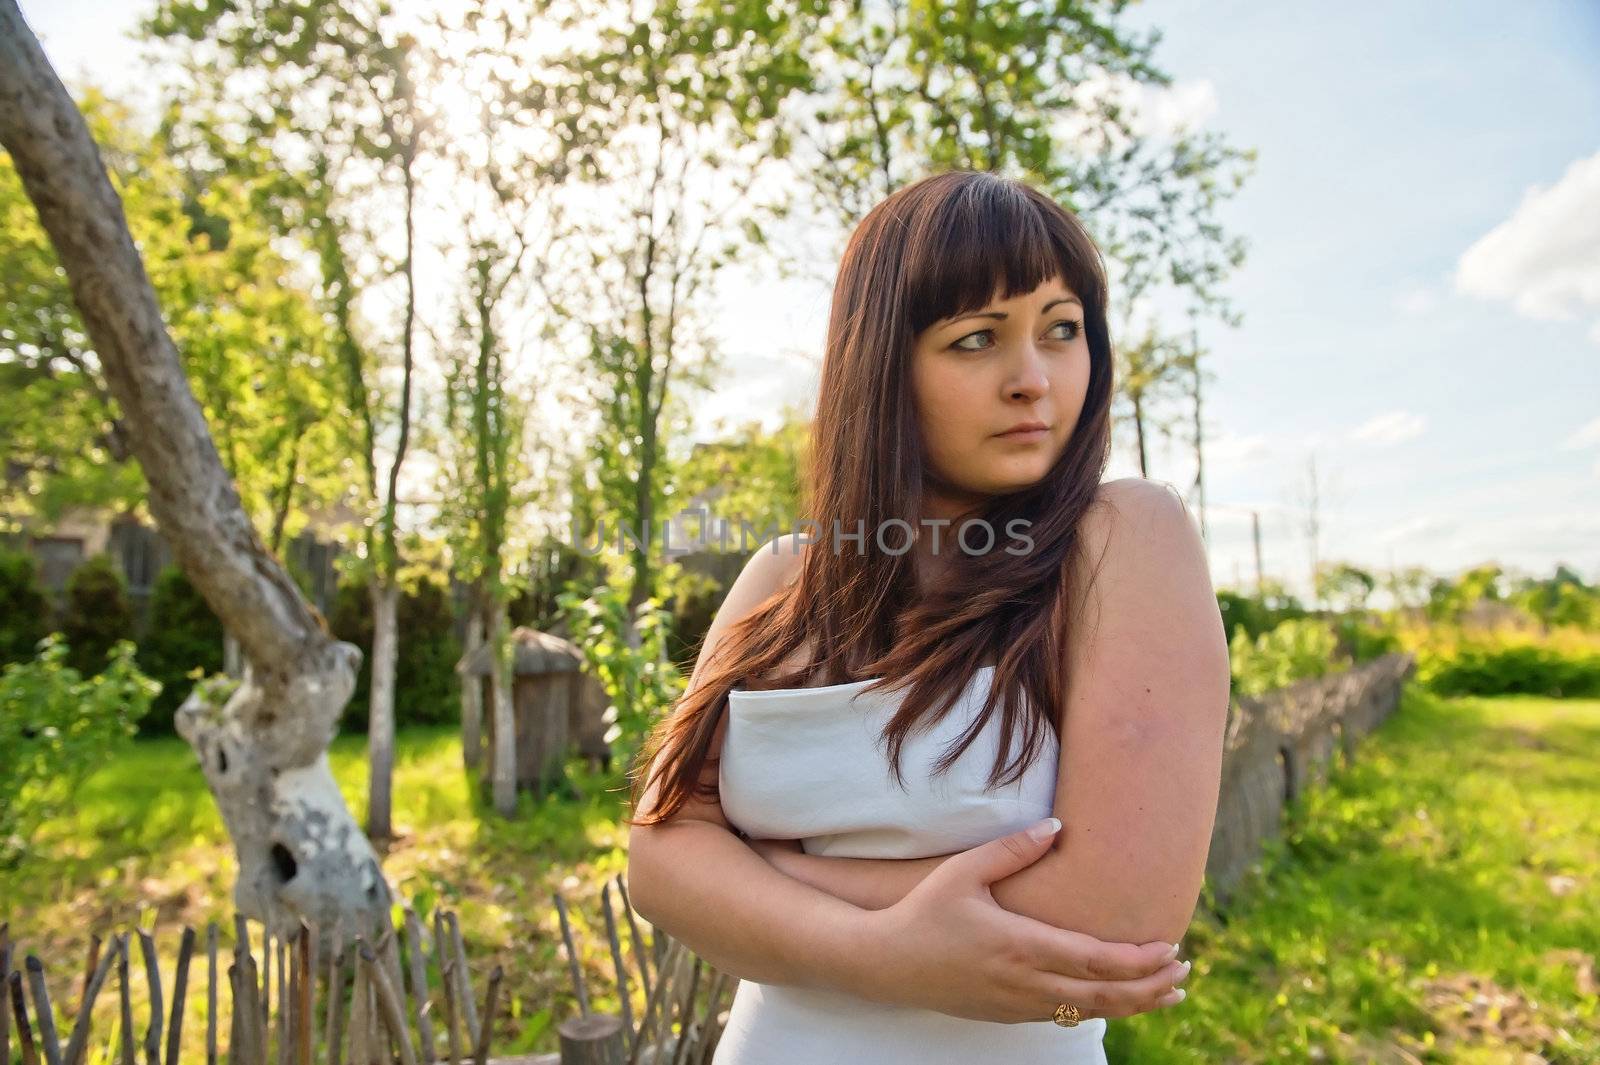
<point x="837" y="810"/>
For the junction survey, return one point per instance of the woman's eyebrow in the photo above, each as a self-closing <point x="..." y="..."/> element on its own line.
<point x="1001" y="316"/>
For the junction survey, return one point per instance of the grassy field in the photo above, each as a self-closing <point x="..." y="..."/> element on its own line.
<point x="1437" y="902"/>
<point x="145" y="845"/>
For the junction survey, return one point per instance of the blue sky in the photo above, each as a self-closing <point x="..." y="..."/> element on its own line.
<point x="1421" y="299"/>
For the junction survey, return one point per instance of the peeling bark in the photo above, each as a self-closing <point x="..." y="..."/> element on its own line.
<point x="262" y="742"/>
<point x="300" y="852"/>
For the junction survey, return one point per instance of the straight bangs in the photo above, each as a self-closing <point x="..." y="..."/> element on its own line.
<point x="993" y="241"/>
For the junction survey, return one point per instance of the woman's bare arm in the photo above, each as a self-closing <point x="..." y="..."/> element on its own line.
<point x="1141" y="751"/>
<point x="870" y="883"/>
<point x="696" y="878"/>
<point x="757" y="923"/>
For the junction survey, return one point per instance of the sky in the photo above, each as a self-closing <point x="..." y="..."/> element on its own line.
<point x="1420" y="298"/>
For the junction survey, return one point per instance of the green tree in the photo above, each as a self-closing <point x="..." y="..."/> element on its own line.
<point x="1148" y="366"/>
<point x="262" y="742"/>
<point x="875" y="95"/>
<point x="1346" y="586"/>
<point x="1449" y="600"/>
<point x="750" y="476"/>
<point x="1563" y="598"/>
<point x="329" y="90"/>
<point x="1407" y="586"/>
<point x="672" y="159"/>
<point x="251" y="341"/>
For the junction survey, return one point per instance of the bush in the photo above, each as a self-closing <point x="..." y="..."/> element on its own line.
<point x="1362" y="642"/>
<point x="426" y="691"/>
<point x="642" y="682"/>
<point x="1293" y="650"/>
<point x="55" y="726"/>
<point x="1508" y="661"/>
<point x="183" y="637"/>
<point x="96" y="614"/>
<point x="1256" y="615"/>
<point x="24" y="611"/>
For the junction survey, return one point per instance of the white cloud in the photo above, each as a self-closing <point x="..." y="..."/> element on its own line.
<point x="1545" y="258"/>
<point x="1587" y="435"/>
<point x="1395" y="427"/>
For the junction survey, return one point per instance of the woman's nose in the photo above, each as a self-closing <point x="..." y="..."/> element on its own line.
<point x="1029" y="379"/>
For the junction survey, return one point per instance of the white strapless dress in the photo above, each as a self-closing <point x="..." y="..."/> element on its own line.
<point x="806" y="763"/>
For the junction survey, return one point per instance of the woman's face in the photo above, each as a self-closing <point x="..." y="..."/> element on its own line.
<point x="1019" y="361"/>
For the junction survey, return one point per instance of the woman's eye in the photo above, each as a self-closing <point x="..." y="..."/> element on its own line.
<point x="1073" y="328"/>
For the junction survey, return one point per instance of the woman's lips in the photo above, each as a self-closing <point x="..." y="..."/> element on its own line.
<point x="1026" y="436"/>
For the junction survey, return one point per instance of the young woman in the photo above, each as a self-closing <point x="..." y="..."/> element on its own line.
<point x="976" y="634"/>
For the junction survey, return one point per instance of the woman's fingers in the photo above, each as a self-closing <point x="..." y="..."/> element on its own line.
<point x="1074" y="954"/>
<point x="1122" y="998"/>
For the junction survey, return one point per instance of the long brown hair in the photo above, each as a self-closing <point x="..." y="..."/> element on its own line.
<point x="938" y="248"/>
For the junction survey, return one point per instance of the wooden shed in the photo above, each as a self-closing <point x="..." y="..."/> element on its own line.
<point x="556" y="706"/>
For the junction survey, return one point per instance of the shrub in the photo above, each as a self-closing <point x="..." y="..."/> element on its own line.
<point x="1508" y="661"/>
<point x="183" y="637"/>
<point x="96" y="614"/>
<point x="1256" y="615"/>
<point x="24" y="611"/>
<point x="642" y="682"/>
<point x="1361" y="641"/>
<point x="55" y="726"/>
<point x="1291" y="651"/>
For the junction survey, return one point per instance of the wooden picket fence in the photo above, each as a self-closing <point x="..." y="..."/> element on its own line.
<point x="370" y="998"/>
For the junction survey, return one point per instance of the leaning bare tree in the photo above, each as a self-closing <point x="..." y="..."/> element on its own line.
<point x="263" y="742"/>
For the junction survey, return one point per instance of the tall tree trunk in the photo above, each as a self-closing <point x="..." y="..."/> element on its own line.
<point x="472" y="687"/>
<point x="380" y="717"/>
<point x="262" y="743"/>
<point x="1138" y="432"/>
<point x="505" y="727"/>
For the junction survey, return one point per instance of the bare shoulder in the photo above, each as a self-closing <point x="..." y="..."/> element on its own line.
<point x="772" y="567"/>
<point x="1148" y="584"/>
<point x="1141" y="531"/>
<point x="1131" y="506"/>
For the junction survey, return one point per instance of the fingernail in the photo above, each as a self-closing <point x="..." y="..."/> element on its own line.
<point x="1173" y="997"/>
<point x="1172" y="952"/>
<point x="1045" y="829"/>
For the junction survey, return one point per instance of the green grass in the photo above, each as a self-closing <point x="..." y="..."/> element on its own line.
<point x="1439" y="899"/>
<point x="143" y="844"/>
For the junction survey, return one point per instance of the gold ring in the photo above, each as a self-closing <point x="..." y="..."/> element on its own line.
<point x="1067" y="1016"/>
